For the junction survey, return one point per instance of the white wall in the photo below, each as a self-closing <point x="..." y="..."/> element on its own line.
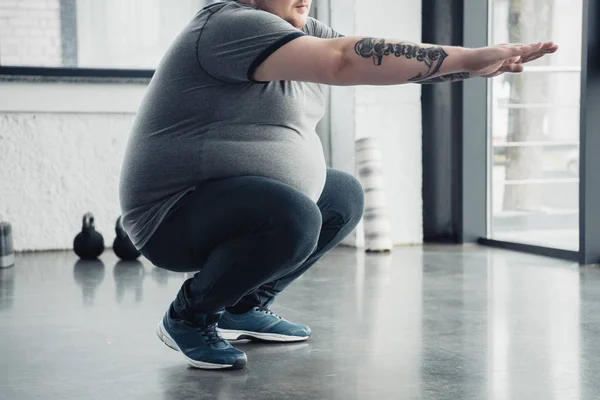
<point x="393" y="114"/>
<point x="61" y="147"/>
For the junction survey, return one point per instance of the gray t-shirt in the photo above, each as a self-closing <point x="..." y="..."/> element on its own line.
<point x="204" y="117"/>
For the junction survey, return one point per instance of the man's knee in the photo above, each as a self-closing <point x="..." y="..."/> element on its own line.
<point x="296" y="232"/>
<point x="293" y="224"/>
<point x="346" y="196"/>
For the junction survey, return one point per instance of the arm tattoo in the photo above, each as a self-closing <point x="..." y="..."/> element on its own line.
<point x="461" y="76"/>
<point x="432" y="57"/>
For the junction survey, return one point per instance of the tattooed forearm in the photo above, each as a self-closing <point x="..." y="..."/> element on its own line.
<point x="461" y="76"/>
<point x="377" y="49"/>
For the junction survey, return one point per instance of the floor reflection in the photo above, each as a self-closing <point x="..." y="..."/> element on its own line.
<point x="534" y="321"/>
<point x="160" y="276"/>
<point x="178" y="383"/>
<point x="129" y="277"/>
<point x="89" y="275"/>
<point x="7" y="288"/>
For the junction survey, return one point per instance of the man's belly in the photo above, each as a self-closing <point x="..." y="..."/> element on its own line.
<point x="299" y="163"/>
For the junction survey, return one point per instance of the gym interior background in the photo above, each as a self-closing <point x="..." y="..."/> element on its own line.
<point x="490" y="293"/>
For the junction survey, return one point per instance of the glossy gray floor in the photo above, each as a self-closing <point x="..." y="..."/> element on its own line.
<point x="422" y="323"/>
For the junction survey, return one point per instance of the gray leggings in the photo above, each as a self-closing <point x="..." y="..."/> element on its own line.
<point x="249" y="238"/>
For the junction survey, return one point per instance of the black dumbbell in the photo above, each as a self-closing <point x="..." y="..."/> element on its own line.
<point x="89" y="243"/>
<point x="122" y="245"/>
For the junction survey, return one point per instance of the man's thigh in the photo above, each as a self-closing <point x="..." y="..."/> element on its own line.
<point x="216" y="212"/>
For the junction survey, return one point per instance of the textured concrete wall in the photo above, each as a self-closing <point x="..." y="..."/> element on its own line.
<point x="53" y="169"/>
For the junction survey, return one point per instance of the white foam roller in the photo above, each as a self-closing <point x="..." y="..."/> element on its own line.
<point x="377" y="226"/>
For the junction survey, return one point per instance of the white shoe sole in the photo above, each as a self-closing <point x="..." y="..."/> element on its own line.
<point x="164" y="336"/>
<point x="230" y="334"/>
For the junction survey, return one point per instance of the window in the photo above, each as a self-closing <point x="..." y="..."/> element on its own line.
<point x="534" y="127"/>
<point x="107" y="34"/>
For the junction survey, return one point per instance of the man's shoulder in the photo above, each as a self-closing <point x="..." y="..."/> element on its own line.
<point x="234" y="12"/>
<point x="222" y="6"/>
<point x="314" y="27"/>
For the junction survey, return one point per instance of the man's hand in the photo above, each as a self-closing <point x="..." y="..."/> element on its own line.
<point x="492" y="61"/>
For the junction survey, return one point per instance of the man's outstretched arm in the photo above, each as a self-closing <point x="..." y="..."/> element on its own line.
<point x="371" y="61"/>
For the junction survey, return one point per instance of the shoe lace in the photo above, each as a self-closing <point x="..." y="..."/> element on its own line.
<point x="211" y="334"/>
<point x="267" y="311"/>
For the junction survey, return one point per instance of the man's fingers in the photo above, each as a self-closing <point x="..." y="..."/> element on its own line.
<point x="533" y="48"/>
<point x="512" y="68"/>
<point x="546" y="49"/>
<point x="549" y="47"/>
<point x="531" y="58"/>
<point x="509" y="58"/>
<point x="515" y="68"/>
<point x="520" y="50"/>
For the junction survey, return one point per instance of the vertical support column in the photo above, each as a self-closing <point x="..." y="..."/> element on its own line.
<point x="473" y="213"/>
<point x="589" y="212"/>
<point x="442" y="129"/>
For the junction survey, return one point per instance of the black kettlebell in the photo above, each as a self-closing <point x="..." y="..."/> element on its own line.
<point x="122" y="245"/>
<point x="89" y="243"/>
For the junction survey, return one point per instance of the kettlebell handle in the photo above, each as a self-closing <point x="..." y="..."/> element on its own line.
<point x="88" y="221"/>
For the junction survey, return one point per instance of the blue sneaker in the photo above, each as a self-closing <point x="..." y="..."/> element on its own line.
<point x="202" y="346"/>
<point x="261" y="324"/>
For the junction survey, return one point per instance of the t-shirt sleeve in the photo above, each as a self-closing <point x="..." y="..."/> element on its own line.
<point x="316" y="28"/>
<point x="233" y="44"/>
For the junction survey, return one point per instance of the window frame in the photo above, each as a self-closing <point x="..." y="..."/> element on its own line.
<point x="57" y="72"/>
<point x="11" y="72"/>
<point x="476" y="147"/>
